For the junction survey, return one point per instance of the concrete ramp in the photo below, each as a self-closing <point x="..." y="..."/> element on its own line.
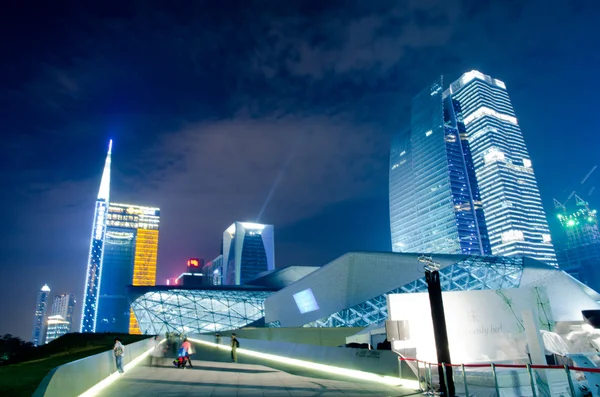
<point x="213" y="375"/>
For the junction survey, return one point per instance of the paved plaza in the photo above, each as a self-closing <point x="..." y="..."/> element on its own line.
<point x="212" y="376"/>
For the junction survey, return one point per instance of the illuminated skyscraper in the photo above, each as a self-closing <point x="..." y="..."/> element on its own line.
<point x="41" y="307"/>
<point x="62" y="305"/>
<point x="578" y="245"/>
<point x="130" y="255"/>
<point x="434" y="199"/>
<point x="461" y="181"/>
<point x="61" y="316"/>
<point x="57" y="326"/>
<point x="515" y="219"/>
<point x="89" y="308"/>
<point x="247" y="251"/>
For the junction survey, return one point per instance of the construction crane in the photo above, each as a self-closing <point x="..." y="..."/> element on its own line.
<point x="562" y="206"/>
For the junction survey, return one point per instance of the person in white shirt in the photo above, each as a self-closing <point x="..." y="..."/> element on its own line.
<point x="119" y="350"/>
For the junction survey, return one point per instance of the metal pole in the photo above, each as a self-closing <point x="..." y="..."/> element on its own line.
<point x="531" y="381"/>
<point x="495" y="380"/>
<point x="465" y="380"/>
<point x="430" y="378"/>
<point x="445" y="371"/>
<point x="419" y="375"/>
<point x="440" y="332"/>
<point x="570" y="380"/>
<point x="427" y="380"/>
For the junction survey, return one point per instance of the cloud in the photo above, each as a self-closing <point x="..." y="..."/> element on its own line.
<point x="373" y="41"/>
<point x="232" y="165"/>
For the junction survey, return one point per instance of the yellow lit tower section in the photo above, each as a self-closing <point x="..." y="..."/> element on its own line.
<point x="143" y="224"/>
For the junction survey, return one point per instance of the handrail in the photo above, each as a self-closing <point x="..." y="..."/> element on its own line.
<point x="524" y="366"/>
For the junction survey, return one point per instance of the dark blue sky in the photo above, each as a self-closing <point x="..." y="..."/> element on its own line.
<point x="208" y="102"/>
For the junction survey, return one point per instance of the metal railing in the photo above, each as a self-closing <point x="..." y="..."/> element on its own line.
<point x="427" y="377"/>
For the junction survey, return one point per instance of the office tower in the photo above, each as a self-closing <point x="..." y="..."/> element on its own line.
<point x="515" y="219"/>
<point x="41" y="306"/>
<point x="214" y="269"/>
<point x="89" y="308"/>
<point x="130" y="255"/>
<point x="578" y="245"/>
<point x="247" y="251"/>
<point x="497" y="176"/>
<point x="62" y="305"/>
<point x="434" y="198"/>
<point x="57" y="326"/>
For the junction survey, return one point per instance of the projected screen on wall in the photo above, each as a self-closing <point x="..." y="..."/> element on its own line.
<point x="306" y="302"/>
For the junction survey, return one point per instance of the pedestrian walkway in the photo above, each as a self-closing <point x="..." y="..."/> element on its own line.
<point x="214" y="377"/>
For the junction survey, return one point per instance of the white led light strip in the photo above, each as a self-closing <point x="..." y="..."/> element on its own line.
<point x="350" y="373"/>
<point x="98" y="387"/>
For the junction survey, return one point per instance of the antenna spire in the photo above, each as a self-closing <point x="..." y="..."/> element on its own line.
<point x="104" y="191"/>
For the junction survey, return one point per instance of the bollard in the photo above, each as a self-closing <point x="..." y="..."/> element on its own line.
<point x="465" y="380"/>
<point x="495" y="380"/>
<point x="571" y="387"/>
<point x="445" y="378"/>
<point x="531" y="381"/>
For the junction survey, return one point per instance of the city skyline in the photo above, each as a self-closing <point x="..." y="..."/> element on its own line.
<point x="285" y="120"/>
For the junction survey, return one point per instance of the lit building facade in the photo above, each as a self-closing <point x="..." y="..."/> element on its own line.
<point x="57" y="326"/>
<point x="461" y="180"/>
<point x="578" y="248"/>
<point x="130" y="256"/>
<point x="41" y="307"/>
<point x="214" y="269"/>
<point x="89" y="309"/>
<point x="435" y="205"/>
<point x="248" y="250"/>
<point x="63" y="305"/>
<point x="515" y="219"/>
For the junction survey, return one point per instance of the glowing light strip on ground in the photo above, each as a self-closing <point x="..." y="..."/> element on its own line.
<point x="98" y="387"/>
<point x="351" y="373"/>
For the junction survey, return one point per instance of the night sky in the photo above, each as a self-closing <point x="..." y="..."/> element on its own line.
<point x="224" y="111"/>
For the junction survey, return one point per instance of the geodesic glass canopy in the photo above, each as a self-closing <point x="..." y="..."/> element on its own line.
<point x="192" y="311"/>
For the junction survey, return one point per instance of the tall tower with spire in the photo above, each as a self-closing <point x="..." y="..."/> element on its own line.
<point x="94" y="267"/>
<point x="41" y="307"/>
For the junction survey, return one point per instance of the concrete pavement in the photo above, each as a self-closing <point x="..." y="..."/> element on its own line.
<point x="212" y="376"/>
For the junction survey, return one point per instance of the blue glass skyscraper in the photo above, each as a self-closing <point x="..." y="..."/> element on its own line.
<point x="248" y="250"/>
<point x="461" y="180"/>
<point x="434" y="198"/>
<point x="130" y="254"/>
<point x="512" y="205"/>
<point x="94" y="266"/>
<point x="39" y="320"/>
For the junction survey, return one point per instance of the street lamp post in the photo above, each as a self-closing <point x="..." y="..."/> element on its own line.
<point x="434" y="287"/>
